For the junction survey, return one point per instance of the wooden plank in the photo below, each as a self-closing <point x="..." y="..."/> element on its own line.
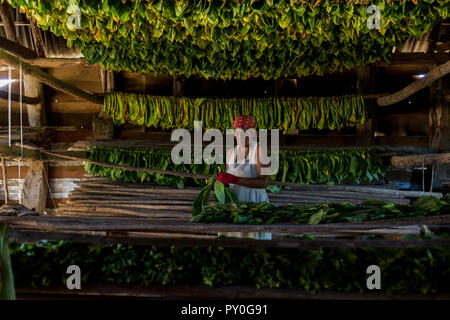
<point x="35" y="188"/>
<point x="439" y="117"/>
<point x="193" y="240"/>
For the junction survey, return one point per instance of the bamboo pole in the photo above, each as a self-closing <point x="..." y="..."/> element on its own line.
<point x="48" y="79"/>
<point x="5" y="180"/>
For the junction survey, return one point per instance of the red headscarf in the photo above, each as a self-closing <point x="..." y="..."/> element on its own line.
<point x="244" y="122"/>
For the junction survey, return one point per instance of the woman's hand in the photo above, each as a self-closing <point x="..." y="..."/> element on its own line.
<point x="227" y="178"/>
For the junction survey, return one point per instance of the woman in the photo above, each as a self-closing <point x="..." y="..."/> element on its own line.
<point x="243" y="174"/>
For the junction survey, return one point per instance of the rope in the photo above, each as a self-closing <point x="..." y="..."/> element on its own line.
<point x="21" y="132"/>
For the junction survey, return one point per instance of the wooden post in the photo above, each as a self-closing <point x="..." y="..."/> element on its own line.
<point x="36" y="112"/>
<point x="35" y="187"/>
<point x="439" y="118"/>
<point x="7" y="15"/>
<point x="365" y="132"/>
<point x="5" y="180"/>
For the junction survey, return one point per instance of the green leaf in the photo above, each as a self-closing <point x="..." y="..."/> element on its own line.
<point x="219" y="191"/>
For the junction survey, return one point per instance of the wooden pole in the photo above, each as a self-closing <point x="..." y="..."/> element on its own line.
<point x="417" y="85"/>
<point x="5" y="180"/>
<point x="7" y="16"/>
<point x="48" y="79"/>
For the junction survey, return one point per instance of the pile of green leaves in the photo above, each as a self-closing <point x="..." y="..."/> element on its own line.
<point x="266" y="213"/>
<point x="286" y="113"/>
<point x="423" y="270"/>
<point x="7" y="290"/>
<point x="236" y="39"/>
<point x="306" y="166"/>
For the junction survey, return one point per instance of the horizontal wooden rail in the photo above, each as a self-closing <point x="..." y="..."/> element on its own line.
<point x="188" y="240"/>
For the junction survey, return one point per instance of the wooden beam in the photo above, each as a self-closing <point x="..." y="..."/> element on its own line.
<point x="7" y="16"/>
<point x="417" y="85"/>
<point x="417" y="160"/>
<point x="5" y="180"/>
<point x="16" y="49"/>
<point x="415" y="58"/>
<point x="16" y="98"/>
<point x="48" y="79"/>
<point x="37" y="39"/>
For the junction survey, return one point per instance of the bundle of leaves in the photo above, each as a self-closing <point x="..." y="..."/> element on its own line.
<point x="285" y="114"/>
<point x="422" y="270"/>
<point x="266" y="213"/>
<point x="303" y="166"/>
<point x="236" y="39"/>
